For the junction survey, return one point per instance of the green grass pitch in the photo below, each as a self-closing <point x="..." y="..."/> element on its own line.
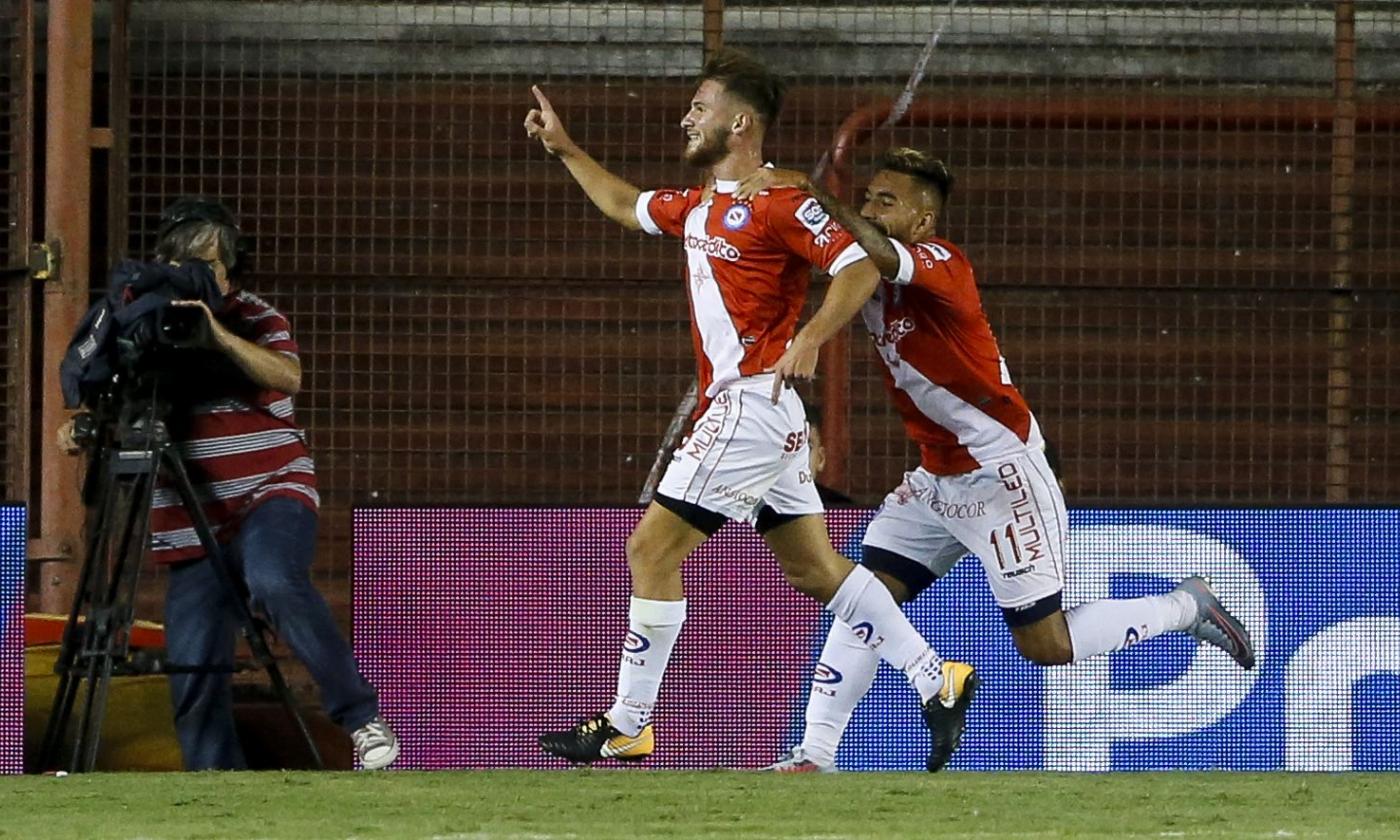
<point x="526" y="805"/>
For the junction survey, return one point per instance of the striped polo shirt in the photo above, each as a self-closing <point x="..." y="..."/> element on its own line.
<point x="241" y="445"/>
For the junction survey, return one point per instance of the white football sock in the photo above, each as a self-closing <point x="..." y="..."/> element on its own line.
<point x="652" y="630"/>
<point x="843" y="676"/>
<point x="1102" y="626"/>
<point x="864" y="603"/>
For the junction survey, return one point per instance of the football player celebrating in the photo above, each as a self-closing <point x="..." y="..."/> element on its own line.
<point x="983" y="484"/>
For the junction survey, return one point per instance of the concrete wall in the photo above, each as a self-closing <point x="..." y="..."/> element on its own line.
<point x="1261" y="42"/>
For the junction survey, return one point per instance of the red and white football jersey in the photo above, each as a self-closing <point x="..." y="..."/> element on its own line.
<point x="747" y="270"/>
<point x="942" y="365"/>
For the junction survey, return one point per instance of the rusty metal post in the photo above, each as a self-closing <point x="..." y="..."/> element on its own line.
<point x="712" y="26"/>
<point x="21" y="235"/>
<point x="67" y="218"/>
<point x="119" y="115"/>
<point x="1339" y="316"/>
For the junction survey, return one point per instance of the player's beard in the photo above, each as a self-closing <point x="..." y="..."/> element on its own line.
<point x="712" y="148"/>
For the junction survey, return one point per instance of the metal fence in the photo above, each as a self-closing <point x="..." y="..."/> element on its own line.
<point x="1183" y="219"/>
<point x="16" y="122"/>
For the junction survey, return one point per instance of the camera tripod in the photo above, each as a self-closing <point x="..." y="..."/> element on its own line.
<point x="130" y="444"/>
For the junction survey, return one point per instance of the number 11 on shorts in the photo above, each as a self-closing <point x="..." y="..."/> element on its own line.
<point x="1008" y="535"/>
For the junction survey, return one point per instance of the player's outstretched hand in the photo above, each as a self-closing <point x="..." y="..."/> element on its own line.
<point x="543" y="124"/>
<point x="765" y="178"/>
<point x="799" y="362"/>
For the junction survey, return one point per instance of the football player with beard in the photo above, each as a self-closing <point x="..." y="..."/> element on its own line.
<point x="983" y="484"/>
<point x="746" y="458"/>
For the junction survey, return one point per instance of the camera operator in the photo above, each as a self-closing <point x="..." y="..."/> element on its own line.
<point x="234" y="426"/>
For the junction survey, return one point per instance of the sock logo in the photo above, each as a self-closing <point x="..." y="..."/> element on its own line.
<point x="1132" y="637"/>
<point x="826" y="675"/>
<point x="864" y="631"/>
<point x="635" y="642"/>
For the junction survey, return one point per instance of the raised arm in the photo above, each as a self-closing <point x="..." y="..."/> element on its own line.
<point x="872" y="239"/>
<point x="614" y="196"/>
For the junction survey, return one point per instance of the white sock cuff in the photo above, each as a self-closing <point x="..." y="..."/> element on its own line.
<point x="850" y="589"/>
<point x="657" y="613"/>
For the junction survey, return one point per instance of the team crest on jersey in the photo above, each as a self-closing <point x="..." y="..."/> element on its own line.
<point x="812" y="216"/>
<point x="737" y="216"/>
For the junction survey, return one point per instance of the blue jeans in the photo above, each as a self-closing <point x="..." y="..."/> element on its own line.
<point x="272" y="553"/>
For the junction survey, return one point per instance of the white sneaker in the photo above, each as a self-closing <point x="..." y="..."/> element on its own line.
<point x="376" y="745"/>
<point x="796" y="760"/>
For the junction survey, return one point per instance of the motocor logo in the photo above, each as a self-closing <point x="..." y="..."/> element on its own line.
<point x="713" y="246"/>
<point x="864" y="630"/>
<point x="826" y="675"/>
<point x="635" y="642"/>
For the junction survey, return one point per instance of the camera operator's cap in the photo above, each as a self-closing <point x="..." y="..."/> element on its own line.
<point x="194" y="209"/>
<point x="201" y="209"/>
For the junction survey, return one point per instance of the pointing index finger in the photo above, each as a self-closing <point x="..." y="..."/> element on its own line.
<point x="542" y="99"/>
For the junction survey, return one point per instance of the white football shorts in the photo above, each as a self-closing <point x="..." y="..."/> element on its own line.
<point x="745" y="452"/>
<point x="1010" y="514"/>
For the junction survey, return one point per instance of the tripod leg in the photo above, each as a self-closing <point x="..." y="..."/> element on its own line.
<point x="108" y="622"/>
<point x="79" y="630"/>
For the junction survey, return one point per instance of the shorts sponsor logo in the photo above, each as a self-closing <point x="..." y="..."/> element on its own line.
<point x="826" y="675"/>
<point x="812" y="216"/>
<point x="1025" y="532"/>
<point x="713" y="246"/>
<point x="904" y="494"/>
<point x="707" y="431"/>
<point x="738" y="495"/>
<point x="959" y="510"/>
<point x="737" y="216"/>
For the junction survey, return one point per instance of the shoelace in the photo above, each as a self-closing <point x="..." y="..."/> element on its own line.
<point x="372" y="731"/>
<point x="592" y="724"/>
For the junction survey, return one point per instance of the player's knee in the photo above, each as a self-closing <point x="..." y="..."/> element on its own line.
<point x="647" y="553"/>
<point x="812" y="582"/>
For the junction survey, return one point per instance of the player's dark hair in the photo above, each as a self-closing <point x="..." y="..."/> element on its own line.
<point x="747" y="78"/>
<point x="921" y="167"/>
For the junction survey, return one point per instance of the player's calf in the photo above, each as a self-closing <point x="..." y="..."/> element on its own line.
<point x="1045" y="642"/>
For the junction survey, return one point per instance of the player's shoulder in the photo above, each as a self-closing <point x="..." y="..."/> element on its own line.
<point x="667" y="194"/>
<point x="929" y="252"/>
<point x="791" y="206"/>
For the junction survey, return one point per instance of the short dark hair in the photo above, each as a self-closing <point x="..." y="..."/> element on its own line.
<point x="747" y="78"/>
<point x="921" y="167"/>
